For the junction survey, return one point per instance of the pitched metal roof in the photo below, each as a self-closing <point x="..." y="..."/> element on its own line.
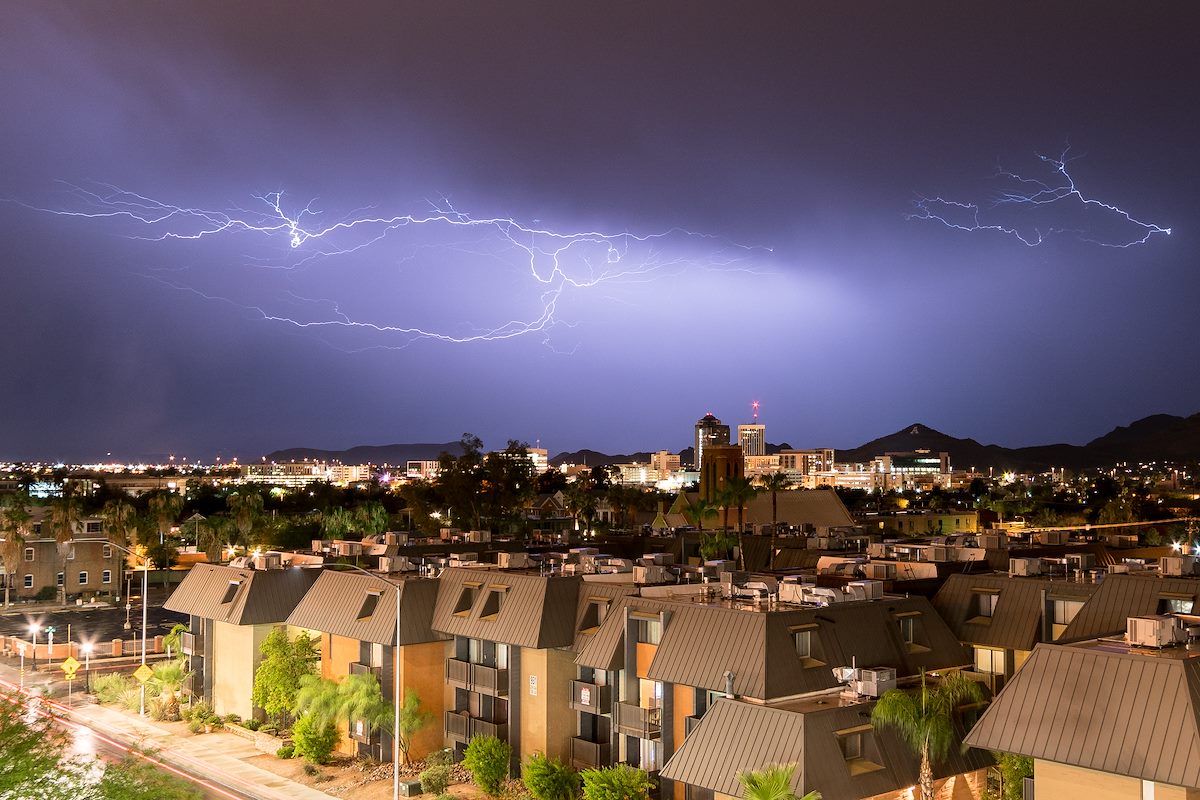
<point x="337" y="601"/>
<point x="1119" y="597"/>
<point x="734" y="737"/>
<point x="537" y="611"/>
<point x="702" y="641"/>
<point x="241" y="596"/>
<point x="603" y="592"/>
<point x="1127" y="713"/>
<point x="1016" y="621"/>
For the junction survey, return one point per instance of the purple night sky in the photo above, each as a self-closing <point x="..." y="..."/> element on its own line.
<point x="781" y="152"/>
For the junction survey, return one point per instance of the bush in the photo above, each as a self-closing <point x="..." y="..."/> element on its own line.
<point x="46" y="593"/>
<point x="620" y="782"/>
<point x="111" y="688"/>
<point x="314" y="741"/>
<point x="550" y="779"/>
<point x="201" y="710"/>
<point x="487" y="758"/>
<point x="286" y="752"/>
<point x="440" y="758"/>
<point x="156" y="707"/>
<point x="435" y="779"/>
<point x="311" y="770"/>
<point x="446" y="797"/>
<point x="252" y="724"/>
<point x="196" y="726"/>
<point x="233" y="719"/>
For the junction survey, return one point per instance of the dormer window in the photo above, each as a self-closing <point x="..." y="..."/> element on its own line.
<point x="370" y="602"/>
<point x="593" y="615"/>
<point x="231" y="592"/>
<point x="912" y="631"/>
<point x="493" y="601"/>
<point x="807" y="642"/>
<point x="466" y="598"/>
<point x="1173" y="603"/>
<point x="859" y="749"/>
<point x="983" y="605"/>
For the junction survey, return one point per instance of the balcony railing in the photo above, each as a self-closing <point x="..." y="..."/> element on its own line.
<point x="590" y="697"/>
<point x="461" y="727"/>
<point x="191" y="645"/>
<point x="632" y="720"/>
<point x="994" y="681"/>
<point x="481" y="727"/>
<point x="357" y="668"/>
<point x="586" y="754"/>
<point x="477" y="677"/>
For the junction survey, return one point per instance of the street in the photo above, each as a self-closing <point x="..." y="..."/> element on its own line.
<point x="91" y="624"/>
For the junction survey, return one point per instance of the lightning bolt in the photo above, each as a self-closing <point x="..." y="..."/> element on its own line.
<point x="1030" y="194"/>
<point x="552" y="262"/>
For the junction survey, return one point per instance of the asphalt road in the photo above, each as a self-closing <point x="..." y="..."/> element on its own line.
<point x="91" y="624"/>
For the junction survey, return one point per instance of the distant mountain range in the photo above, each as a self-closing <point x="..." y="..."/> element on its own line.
<point x="1160" y="437"/>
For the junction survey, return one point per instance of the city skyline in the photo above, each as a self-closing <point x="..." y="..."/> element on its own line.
<point x="799" y="206"/>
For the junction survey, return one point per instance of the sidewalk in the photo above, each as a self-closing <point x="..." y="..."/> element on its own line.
<point x="219" y="759"/>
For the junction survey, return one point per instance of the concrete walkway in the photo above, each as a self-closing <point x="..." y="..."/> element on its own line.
<point x="220" y="759"/>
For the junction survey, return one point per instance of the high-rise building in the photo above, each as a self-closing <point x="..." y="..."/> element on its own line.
<point x="721" y="462"/>
<point x="709" y="431"/>
<point x="753" y="439"/>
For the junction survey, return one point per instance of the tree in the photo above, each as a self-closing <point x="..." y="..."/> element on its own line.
<point x="925" y="721"/>
<point x="715" y="544"/>
<point x="458" y="480"/>
<point x="246" y="506"/>
<point x="163" y="555"/>
<point x="412" y="719"/>
<point x="336" y="522"/>
<point x="314" y="740"/>
<point x="1013" y="770"/>
<point x="581" y="501"/>
<point x="120" y="521"/>
<point x="284" y="665"/>
<point x="14" y="522"/>
<point x="774" y="483"/>
<point x="487" y="759"/>
<point x="619" y="782"/>
<point x="164" y="508"/>
<point x="360" y="699"/>
<point x="135" y="778"/>
<point x="171" y="640"/>
<point x="168" y="680"/>
<point x="548" y="778"/>
<point x="213" y="534"/>
<point x="64" y="520"/>
<point x="371" y="518"/>
<point x="739" y="492"/>
<point x="771" y="783"/>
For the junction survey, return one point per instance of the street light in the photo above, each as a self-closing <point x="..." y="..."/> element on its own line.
<point x="33" y="630"/>
<point x="128" y="604"/>
<point x="395" y="681"/>
<point x="86" y="649"/>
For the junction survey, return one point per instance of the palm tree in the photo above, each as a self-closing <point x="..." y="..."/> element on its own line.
<point x="771" y="783"/>
<point x="925" y="720"/>
<point x="357" y="698"/>
<point x="64" y="519"/>
<point x="740" y="492"/>
<point x="246" y="507"/>
<point x="212" y="537"/>
<point x="165" y="508"/>
<point x="168" y="680"/>
<point x="696" y="514"/>
<point x="14" y="522"/>
<point x="120" y="520"/>
<point x="774" y="483"/>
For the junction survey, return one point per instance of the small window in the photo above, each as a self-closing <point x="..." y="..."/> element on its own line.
<point x="106" y="551"/>
<point x="106" y="576"/>
<point x="493" y="601"/>
<point x="71" y="555"/>
<point x="92" y="527"/>
<point x="989" y="660"/>
<point x="859" y="749"/>
<point x="83" y="578"/>
<point x="28" y="581"/>
<point x="29" y="554"/>
<point x="983" y="605"/>
<point x="466" y="599"/>
<point x="648" y="628"/>
<point x="593" y="615"/>
<point x="912" y="631"/>
<point x="803" y="640"/>
<point x="1171" y="604"/>
<point x="807" y="642"/>
<point x="60" y="579"/>
<point x="230" y="592"/>
<point x="368" y="605"/>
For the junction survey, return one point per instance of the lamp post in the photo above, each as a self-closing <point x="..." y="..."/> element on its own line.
<point x="33" y="630"/>
<point x="86" y="649"/>
<point x="128" y="605"/>
<point x="395" y="681"/>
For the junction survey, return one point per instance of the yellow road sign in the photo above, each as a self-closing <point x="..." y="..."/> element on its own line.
<point x="69" y="666"/>
<point x="143" y="673"/>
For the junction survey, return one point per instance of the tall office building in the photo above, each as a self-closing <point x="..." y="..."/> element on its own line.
<point x="721" y="462"/>
<point x="709" y="431"/>
<point x="753" y="439"/>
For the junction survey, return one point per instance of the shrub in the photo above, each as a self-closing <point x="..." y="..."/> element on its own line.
<point x="620" y="782"/>
<point x="314" y="741"/>
<point x="156" y="707"/>
<point x="550" y="779"/>
<point x="446" y="797"/>
<point x="440" y="758"/>
<point x="252" y="724"/>
<point x="200" y="710"/>
<point x="435" y="779"/>
<point x="286" y="752"/>
<point x="46" y="593"/>
<point x="233" y="719"/>
<point x="311" y="770"/>
<point x="196" y="726"/>
<point x="487" y="759"/>
<point x="111" y="688"/>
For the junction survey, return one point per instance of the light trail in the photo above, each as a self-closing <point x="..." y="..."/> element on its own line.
<point x="1030" y="194"/>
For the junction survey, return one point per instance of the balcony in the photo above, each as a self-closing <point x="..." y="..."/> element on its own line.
<point x="632" y="720"/>
<point x="477" y="677"/>
<point x="365" y="669"/>
<point x="461" y="727"/>
<point x="994" y="681"/>
<point x="689" y="725"/>
<point x="586" y="754"/>
<point x="590" y="697"/>
<point x="191" y="645"/>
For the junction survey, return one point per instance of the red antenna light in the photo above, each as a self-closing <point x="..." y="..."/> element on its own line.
<point x="754" y="405"/>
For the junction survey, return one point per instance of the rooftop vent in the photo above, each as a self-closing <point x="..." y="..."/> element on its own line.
<point x="1154" y="631"/>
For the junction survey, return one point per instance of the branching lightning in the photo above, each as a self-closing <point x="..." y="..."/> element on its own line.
<point x="551" y="262"/>
<point x="1029" y="194"/>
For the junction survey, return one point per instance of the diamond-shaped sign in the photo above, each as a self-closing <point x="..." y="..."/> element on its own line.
<point x="143" y="673"/>
<point x="69" y="666"/>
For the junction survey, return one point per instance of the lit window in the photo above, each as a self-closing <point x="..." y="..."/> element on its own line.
<point x="83" y="578"/>
<point x="990" y="660"/>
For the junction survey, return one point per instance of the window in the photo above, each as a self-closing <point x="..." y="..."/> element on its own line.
<point x="1062" y="612"/>
<point x="648" y="628"/>
<point x="83" y="578"/>
<point x="106" y="551"/>
<point x="71" y="555"/>
<point x="803" y="643"/>
<point x="106" y="576"/>
<point x="466" y="598"/>
<point x="28" y="581"/>
<point x="368" y="605"/>
<point x="859" y="749"/>
<point x="990" y="660"/>
<point x="1174" y="604"/>
<point x="593" y="615"/>
<point x="912" y="631"/>
<point x="231" y="592"/>
<point x="493" y="601"/>
<point x="29" y="554"/>
<point x="983" y="605"/>
<point x="92" y="526"/>
<point x="807" y="642"/>
<point x="60" y="579"/>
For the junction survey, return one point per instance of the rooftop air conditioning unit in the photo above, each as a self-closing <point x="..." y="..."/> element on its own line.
<point x="1052" y="537"/>
<point x="1118" y="568"/>
<point x="1155" y="631"/>
<point x="935" y="553"/>
<point x="268" y="560"/>
<point x="395" y="564"/>
<point x="459" y="559"/>
<point x="879" y="550"/>
<point x="1025" y="566"/>
<point x="241" y="562"/>
<point x="823" y="595"/>
<point x="866" y="590"/>
<point x="1081" y="561"/>
<point x="609" y="566"/>
<point x="479" y="537"/>
<point x="1177" y="565"/>
<point x="874" y="682"/>
<point x="349" y="548"/>
<point x="990" y="541"/>
<point x="514" y="560"/>
<point x="791" y="588"/>
<point x="661" y="559"/>
<point x="879" y="571"/>
<point x="319" y="545"/>
<point x="650" y="573"/>
<point x="585" y="551"/>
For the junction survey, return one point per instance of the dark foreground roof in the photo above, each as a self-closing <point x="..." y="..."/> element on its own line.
<point x="1016" y="623"/>
<point x="1102" y="708"/>
<point x="241" y="596"/>
<point x="537" y="611"/>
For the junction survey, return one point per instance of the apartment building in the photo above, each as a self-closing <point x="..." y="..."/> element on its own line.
<point x="92" y="567"/>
